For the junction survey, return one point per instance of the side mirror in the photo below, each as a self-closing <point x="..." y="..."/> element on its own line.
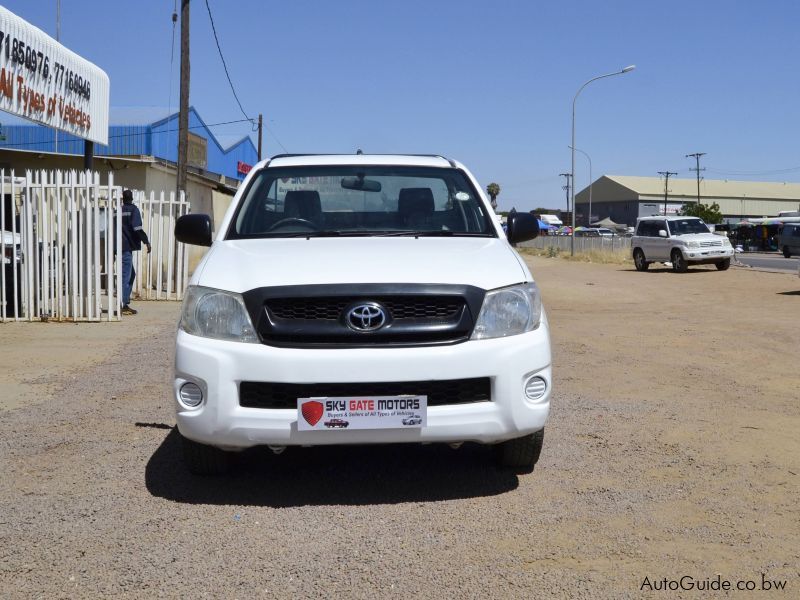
<point x="194" y="229"/>
<point x="522" y="227"/>
<point x="662" y="233"/>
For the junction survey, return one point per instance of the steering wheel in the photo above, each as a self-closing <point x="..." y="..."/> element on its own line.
<point x="293" y="220"/>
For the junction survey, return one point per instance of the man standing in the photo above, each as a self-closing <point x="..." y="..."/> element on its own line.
<point x="132" y="237"/>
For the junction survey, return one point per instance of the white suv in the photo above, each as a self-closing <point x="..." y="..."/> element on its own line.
<point x="682" y="241"/>
<point x="361" y="300"/>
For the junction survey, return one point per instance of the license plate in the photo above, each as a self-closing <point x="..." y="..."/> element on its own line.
<point x="359" y="412"/>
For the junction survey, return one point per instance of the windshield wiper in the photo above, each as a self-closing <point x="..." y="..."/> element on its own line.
<point x="308" y="234"/>
<point x="415" y="233"/>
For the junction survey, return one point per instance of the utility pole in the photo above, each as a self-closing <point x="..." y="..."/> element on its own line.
<point x="566" y="177"/>
<point x="666" y="175"/>
<point x="260" y="131"/>
<point x="697" y="156"/>
<point x="183" y="114"/>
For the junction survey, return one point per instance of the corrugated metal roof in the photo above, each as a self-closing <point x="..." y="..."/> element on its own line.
<point x="140" y="131"/>
<point x="710" y="188"/>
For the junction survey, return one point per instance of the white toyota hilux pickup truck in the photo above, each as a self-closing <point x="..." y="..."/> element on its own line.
<point x="360" y="299"/>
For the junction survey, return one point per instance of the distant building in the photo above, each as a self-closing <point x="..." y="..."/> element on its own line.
<point x="623" y="199"/>
<point x="142" y="153"/>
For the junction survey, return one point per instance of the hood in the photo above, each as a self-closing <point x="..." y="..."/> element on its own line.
<point x="241" y="265"/>
<point x="698" y="237"/>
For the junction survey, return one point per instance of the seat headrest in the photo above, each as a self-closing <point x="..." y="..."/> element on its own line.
<point x="303" y="204"/>
<point x="415" y="201"/>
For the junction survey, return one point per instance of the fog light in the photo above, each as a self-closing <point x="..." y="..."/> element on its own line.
<point x="191" y="395"/>
<point x="535" y="388"/>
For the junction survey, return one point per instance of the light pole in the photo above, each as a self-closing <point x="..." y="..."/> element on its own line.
<point x="572" y="146"/>
<point x="589" y="158"/>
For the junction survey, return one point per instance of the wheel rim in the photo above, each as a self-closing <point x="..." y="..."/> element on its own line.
<point x="677" y="260"/>
<point x="638" y="258"/>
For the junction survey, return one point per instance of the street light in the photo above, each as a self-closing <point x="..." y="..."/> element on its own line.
<point x="572" y="146"/>
<point x="589" y="158"/>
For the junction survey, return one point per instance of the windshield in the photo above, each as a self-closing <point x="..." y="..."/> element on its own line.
<point x="359" y="201"/>
<point x="684" y="226"/>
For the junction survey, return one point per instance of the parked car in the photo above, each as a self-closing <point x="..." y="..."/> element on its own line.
<point x="412" y="420"/>
<point x="605" y="232"/>
<point x="682" y="241"/>
<point x="588" y="232"/>
<point x="790" y="239"/>
<point x="344" y="277"/>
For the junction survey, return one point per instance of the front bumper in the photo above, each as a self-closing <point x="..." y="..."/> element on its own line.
<point x="218" y="367"/>
<point x="707" y="255"/>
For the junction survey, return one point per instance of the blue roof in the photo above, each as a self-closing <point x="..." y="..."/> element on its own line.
<point x="140" y="131"/>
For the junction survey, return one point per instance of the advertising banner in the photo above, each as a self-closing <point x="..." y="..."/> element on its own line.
<point x="43" y="81"/>
<point x="376" y="412"/>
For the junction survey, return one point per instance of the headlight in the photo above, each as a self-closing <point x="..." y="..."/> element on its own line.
<point x="693" y="244"/>
<point x="216" y="314"/>
<point x="509" y="311"/>
<point x="726" y="242"/>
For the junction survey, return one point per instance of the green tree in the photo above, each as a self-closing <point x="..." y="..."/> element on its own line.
<point x="710" y="213"/>
<point x="493" y="189"/>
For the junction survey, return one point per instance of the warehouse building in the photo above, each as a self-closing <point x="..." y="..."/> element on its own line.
<point x="142" y="152"/>
<point x="623" y="199"/>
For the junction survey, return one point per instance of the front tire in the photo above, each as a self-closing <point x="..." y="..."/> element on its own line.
<point x="204" y="460"/>
<point x="786" y="252"/>
<point x="639" y="261"/>
<point x="679" y="264"/>
<point x="723" y="264"/>
<point x="520" y="454"/>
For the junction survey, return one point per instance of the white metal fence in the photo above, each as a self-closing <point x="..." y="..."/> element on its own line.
<point x="163" y="273"/>
<point x="582" y="244"/>
<point x="61" y="246"/>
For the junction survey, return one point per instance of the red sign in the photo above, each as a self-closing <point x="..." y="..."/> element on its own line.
<point x="243" y="168"/>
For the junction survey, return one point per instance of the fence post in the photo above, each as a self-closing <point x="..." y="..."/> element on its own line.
<point x="118" y="264"/>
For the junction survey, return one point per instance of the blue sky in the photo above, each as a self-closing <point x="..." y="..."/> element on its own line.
<point x="488" y="83"/>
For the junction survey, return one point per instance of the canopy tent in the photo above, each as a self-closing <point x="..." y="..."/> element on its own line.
<point x="608" y="224"/>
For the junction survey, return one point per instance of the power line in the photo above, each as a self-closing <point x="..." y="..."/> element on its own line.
<point x="224" y="65"/>
<point x="753" y="173"/>
<point x="124" y="135"/>
<point x="275" y="137"/>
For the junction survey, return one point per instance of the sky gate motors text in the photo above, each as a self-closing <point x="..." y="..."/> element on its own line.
<point x="372" y="405"/>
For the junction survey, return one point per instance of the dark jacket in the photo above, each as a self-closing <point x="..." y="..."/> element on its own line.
<point x="132" y="233"/>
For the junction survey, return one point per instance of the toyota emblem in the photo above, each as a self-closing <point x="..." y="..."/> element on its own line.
<point x="366" y="317"/>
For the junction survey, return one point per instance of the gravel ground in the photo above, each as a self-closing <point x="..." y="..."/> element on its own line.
<point x="672" y="450"/>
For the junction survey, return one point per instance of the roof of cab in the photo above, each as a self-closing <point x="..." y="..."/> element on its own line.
<point x="411" y="160"/>
<point x="667" y="218"/>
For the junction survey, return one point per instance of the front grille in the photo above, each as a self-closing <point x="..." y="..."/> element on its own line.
<point x="710" y="244"/>
<point x="332" y="309"/>
<point x="318" y="316"/>
<point x="307" y="309"/>
<point x="258" y="394"/>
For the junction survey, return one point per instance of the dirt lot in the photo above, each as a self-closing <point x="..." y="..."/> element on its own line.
<point x="672" y="450"/>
